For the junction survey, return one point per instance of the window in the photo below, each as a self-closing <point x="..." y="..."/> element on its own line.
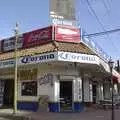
<point x="29" y="88"/>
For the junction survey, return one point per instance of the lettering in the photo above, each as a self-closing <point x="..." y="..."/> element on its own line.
<point x="6" y="63"/>
<point x="29" y="59"/>
<point x="42" y="35"/>
<point x="77" y="57"/>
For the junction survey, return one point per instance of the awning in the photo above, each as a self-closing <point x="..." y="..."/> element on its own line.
<point x="115" y="79"/>
<point x="116" y="76"/>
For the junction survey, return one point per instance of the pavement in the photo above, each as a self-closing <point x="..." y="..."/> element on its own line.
<point x="88" y="114"/>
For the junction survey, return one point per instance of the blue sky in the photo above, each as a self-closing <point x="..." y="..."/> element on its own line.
<point x="33" y="14"/>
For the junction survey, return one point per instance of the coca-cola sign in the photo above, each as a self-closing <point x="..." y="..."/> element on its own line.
<point x="38" y="37"/>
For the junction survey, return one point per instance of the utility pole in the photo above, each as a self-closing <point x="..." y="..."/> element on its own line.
<point x="16" y="68"/>
<point x="112" y="84"/>
<point x="118" y="65"/>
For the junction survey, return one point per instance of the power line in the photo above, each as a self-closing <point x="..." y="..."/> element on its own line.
<point x="92" y="10"/>
<point x="106" y="7"/>
<point x="102" y="33"/>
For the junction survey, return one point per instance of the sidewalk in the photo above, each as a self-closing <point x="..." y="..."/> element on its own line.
<point x="7" y="114"/>
<point x="88" y="114"/>
<point x="92" y="114"/>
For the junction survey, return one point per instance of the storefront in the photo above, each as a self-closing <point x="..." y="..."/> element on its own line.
<point x="54" y="81"/>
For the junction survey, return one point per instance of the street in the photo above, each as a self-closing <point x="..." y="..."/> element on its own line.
<point x="88" y="114"/>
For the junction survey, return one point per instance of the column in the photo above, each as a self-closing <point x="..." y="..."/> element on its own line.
<point x="106" y="90"/>
<point x="77" y="102"/>
<point x="54" y="97"/>
<point x="100" y="92"/>
<point x="87" y="89"/>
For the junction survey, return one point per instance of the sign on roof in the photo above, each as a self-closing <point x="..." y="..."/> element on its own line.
<point x="9" y="44"/>
<point x="67" y="34"/>
<point x="37" y="37"/>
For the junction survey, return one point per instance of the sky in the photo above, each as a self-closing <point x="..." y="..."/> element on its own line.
<point x="34" y="14"/>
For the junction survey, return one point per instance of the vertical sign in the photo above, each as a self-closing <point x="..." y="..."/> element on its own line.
<point x="63" y="12"/>
<point x="62" y="9"/>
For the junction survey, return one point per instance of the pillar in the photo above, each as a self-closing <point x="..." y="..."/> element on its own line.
<point x="78" y="106"/>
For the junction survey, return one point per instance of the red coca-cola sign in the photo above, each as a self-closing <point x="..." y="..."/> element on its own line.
<point x="37" y="37"/>
<point x="67" y="34"/>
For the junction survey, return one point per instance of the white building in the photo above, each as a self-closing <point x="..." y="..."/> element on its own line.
<point x="55" y="78"/>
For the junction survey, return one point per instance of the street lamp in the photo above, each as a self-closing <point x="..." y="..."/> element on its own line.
<point x="111" y="67"/>
<point x="16" y="30"/>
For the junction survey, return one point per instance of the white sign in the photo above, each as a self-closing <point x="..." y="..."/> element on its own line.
<point x="53" y="56"/>
<point x="64" y="22"/>
<point x="77" y="57"/>
<point x="38" y="58"/>
<point x="6" y="63"/>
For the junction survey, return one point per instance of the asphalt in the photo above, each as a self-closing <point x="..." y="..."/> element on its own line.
<point x="88" y="114"/>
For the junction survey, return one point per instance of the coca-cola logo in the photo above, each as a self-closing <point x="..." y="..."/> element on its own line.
<point x="39" y="35"/>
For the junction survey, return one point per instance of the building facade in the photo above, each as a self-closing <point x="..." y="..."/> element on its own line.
<point x="55" y="76"/>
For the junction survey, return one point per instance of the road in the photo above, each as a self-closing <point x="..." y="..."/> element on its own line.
<point x="87" y="115"/>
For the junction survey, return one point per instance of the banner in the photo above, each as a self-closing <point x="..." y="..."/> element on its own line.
<point x="67" y="34"/>
<point x="9" y="44"/>
<point x="37" y="37"/>
<point x="62" y="9"/>
<point x="77" y="57"/>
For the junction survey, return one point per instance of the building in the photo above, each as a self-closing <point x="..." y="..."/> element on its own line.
<point x="60" y="74"/>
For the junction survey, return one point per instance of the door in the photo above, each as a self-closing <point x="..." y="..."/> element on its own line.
<point x="8" y="93"/>
<point x="94" y="88"/>
<point x="65" y="95"/>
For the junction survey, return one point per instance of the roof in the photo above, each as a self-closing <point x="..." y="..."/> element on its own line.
<point x="49" y="47"/>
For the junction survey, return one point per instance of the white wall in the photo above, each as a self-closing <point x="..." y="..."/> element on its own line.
<point x="51" y="91"/>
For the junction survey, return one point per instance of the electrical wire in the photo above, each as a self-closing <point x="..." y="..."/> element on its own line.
<point x="106" y="7"/>
<point x="92" y="10"/>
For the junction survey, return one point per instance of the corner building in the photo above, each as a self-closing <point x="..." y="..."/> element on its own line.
<point x="55" y="76"/>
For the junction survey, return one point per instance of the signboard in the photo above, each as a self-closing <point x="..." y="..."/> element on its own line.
<point x="67" y="34"/>
<point x="37" y="37"/>
<point x="9" y="44"/>
<point x="38" y="58"/>
<point x="57" y="21"/>
<point x="76" y="57"/>
<point x="53" y="56"/>
<point x="6" y="63"/>
<point x="63" y="9"/>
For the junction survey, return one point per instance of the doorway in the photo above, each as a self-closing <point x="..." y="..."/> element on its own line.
<point x="94" y="89"/>
<point x="65" y="95"/>
<point x="8" y="96"/>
